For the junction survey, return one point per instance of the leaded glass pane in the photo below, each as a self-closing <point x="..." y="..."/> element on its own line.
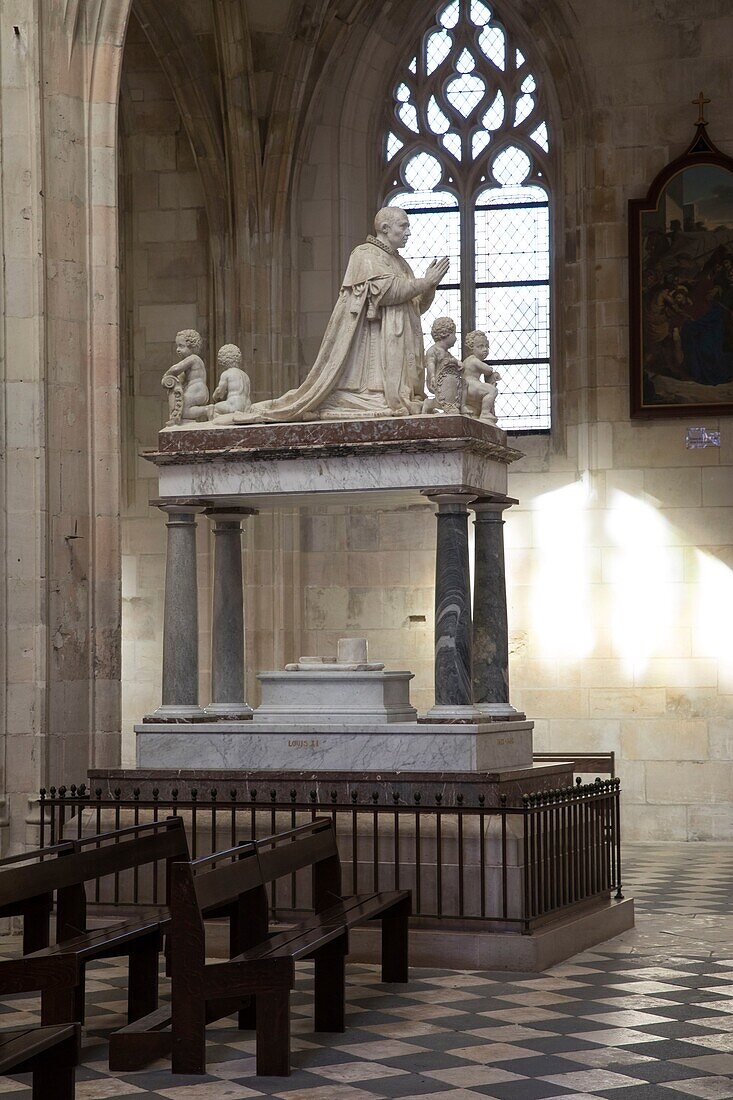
<point x="494" y="117"/>
<point x="480" y="13"/>
<point x="511" y="166"/>
<point x="437" y="47"/>
<point x="516" y="320"/>
<point x="465" y="92"/>
<point x="492" y="41"/>
<point x="523" y="401"/>
<point x="512" y="245"/>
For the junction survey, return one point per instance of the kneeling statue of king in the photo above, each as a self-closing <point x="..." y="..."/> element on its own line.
<point x="372" y="361"/>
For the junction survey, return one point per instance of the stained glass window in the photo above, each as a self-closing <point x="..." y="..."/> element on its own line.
<point x="468" y="153"/>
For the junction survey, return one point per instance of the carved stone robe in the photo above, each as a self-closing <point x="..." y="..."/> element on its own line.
<point x="371" y="360"/>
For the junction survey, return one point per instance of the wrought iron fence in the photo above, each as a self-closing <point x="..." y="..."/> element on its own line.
<point x="513" y="867"/>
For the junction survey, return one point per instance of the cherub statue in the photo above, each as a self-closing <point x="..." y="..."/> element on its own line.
<point x="444" y="372"/>
<point x="232" y="392"/>
<point x="186" y="380"/>
<point x="480" y="390"/>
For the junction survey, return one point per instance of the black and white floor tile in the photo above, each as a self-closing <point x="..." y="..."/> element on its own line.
<point x="647" y="1015"/>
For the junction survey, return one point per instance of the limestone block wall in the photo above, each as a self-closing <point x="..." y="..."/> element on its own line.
<point x="165" y="285"/>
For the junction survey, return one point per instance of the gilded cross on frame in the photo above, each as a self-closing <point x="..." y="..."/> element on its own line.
<point x="700" y="103"/>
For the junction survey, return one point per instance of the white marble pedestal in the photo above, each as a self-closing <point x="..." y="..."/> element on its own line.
<point x="348" y="699"/>
<point x="389" y="746"/>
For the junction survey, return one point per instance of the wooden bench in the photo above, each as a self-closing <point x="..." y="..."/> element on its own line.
<point x="34" y="909"/>
<point x="58" y="970"/>
<point x="49" y="1053"/>
<point x="259" y="976"/>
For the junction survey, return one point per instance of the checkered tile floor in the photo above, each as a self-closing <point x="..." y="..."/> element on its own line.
<point x="648" y="1015"/>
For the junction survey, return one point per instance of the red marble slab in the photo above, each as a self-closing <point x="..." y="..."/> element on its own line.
<point x="327" y="437"/>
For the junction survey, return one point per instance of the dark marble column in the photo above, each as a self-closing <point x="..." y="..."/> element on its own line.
<point x="453" y="635"/>
<point x="490" y="628"/>
<point x="180" y="618"/>
<point x="227" y="622"/>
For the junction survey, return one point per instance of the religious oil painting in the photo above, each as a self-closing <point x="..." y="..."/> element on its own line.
<point x="681" y="276"/>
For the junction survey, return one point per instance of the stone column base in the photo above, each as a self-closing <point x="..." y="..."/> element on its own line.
<point x="176" y="712"/>
<point x="235" y="712"/>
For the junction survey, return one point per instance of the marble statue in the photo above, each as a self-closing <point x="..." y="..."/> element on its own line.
<point x="186" y="381"/>
<point x="480" y="389"/>
<point x="371" y="362"/>
<point x="444" y="374"/>
<point x="231" y="395"/>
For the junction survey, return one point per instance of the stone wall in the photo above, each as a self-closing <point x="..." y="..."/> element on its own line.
<point x="166" y="286"/>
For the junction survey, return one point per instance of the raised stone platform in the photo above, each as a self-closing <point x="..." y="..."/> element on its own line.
<point x="402" y="455"/>
<point x="492" y="786"/>
<point x="391" y="746"/>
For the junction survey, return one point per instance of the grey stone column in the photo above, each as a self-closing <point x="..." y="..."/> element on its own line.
<point x="453" y="632"/>
<point x="490" y="627"/>
<point x="227" y="618"/>
<point x="180" y="618"/>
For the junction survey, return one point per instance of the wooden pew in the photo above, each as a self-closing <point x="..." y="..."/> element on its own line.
<point x="58" y="970"/>
<point x="49" y="1053"/>
<point x="35" y="910"/>
<point x="262" y="964"/>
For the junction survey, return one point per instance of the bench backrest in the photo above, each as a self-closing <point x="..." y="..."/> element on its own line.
<point x="234" y="883"/>
<point x="92" y="857"/>
<point x="235" y="880"/>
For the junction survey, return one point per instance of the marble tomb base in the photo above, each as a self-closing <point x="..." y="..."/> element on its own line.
<point x="312" y="698"/>
<point x="283" y="746"/>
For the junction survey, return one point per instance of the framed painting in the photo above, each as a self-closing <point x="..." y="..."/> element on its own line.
<point x="681" y="286"/>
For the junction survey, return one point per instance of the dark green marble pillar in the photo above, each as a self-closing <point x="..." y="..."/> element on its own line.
<point x="453" y="633"/>
<point x="227" y="619"/>
<point x="490" y="628"/>
<point x="180" y="618"/>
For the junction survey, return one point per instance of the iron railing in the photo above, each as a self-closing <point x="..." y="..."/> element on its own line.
<point x="510" y="866"/>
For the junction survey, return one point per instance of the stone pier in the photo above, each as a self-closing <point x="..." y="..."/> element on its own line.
<point x="227" y="626"/>
<point x="490" y="626"/>
<point x="453" y="630"/>
<point x="180" y="687"/>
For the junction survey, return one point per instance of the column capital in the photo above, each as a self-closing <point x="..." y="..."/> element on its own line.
<point x="486" y="508"/>
<point x="449" y="500"/>
<point x="176" y="506"/>
<point x="229" y="513"/>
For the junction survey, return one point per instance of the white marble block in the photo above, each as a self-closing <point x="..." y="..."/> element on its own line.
<point x="329" y="696"/>
<point x="390" y="747"/>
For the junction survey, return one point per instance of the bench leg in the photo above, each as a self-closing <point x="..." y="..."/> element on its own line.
<point x="63" y="1005"/>
<point x="35" y="923"/>
<point x="142" y="995"/>
<point x="273" y="1033"/>
<point x="55" y="1074"/>
<point x="58" y="1083"/>
<point x="330" y="987"/>
<point x="395" y="943"/>
<point x="188" y="1025"/>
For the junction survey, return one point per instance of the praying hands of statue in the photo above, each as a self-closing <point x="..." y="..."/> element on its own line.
<point x="437" y="270"/>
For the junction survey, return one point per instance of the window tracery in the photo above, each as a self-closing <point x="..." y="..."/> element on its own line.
<point x="468" y="152"/>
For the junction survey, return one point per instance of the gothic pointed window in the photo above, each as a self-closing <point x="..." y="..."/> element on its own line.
<point x="468" y="153"/>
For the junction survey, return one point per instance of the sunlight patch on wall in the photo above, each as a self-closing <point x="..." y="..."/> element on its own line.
<point x="713" y="616"/>
<point x="645" y="600"/>
<point x="562" y="614"/>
